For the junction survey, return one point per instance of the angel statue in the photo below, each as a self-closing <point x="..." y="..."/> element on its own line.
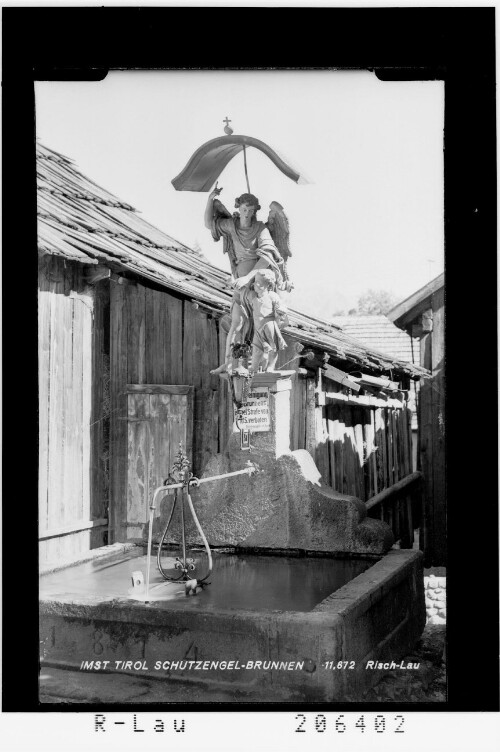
<point x="252" y="246"/>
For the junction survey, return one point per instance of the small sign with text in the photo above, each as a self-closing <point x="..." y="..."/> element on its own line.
<point x="256" y="411"/>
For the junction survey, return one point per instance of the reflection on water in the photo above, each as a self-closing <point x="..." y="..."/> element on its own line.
<point x="244" y="582"/>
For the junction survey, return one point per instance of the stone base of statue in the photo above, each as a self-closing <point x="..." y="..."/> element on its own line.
<point x="285" y="505"/>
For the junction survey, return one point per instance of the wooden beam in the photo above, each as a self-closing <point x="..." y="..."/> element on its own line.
<point x="364" y="400"/>
<point x="377" y="381"/>
<point x="157" y="389"/>
<point x="311" y="438"/>
<point x="393" y="492"/>
<point x="340" y="377"/>
<point x="77" y="527"/>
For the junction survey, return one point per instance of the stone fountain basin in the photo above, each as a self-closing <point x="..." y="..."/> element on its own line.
<point x="325" y="639"/>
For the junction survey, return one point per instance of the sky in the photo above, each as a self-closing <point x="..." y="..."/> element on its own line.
<point x="371" y="214"/>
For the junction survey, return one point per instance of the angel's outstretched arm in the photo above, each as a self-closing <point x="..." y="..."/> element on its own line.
<point x="209" y="211"/>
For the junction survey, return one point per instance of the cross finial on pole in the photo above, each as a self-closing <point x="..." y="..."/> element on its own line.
<point x="227" y="129"/>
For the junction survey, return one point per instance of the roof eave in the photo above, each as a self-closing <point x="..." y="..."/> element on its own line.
<point x="406" y="312"/>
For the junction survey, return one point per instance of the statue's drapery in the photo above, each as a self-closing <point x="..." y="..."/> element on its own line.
<point x="207" y="163"/>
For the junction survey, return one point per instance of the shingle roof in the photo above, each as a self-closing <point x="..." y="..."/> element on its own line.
<point x="379" y="333"/>
<point x="79" y="220"/>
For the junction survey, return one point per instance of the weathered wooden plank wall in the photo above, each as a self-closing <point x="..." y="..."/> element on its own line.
<point x="157" y="338"/>
<point x="99" y="435"/>
<point x="66" y="307"/>
<point x="358" y="450"/>
<point x="432" y="435"/>
<point x="200" y="353"/>
<point x="118" y="414"/>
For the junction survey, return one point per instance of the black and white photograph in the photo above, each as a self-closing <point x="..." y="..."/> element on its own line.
<point x="236" y="483"/>
<point x="242" y="375"/>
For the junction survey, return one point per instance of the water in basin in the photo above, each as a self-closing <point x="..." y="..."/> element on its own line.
<point x="239" y="581"/>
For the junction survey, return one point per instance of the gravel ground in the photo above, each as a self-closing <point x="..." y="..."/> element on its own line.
<point x="428" y="683"/>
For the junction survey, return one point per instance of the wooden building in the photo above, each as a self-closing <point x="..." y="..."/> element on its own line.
<point x="422" y="315"/>
<point x="129" y="328"/>
<point x="378" y="332"/>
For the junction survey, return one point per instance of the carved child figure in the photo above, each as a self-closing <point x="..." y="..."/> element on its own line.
<point x="269" y="314"/>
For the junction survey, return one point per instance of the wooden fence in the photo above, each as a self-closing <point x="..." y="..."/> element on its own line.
<point x="360" y="448"/>
<point x="397" y="506"/>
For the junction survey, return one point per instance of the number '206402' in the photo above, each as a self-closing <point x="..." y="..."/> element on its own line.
<point x="340" y="724"/>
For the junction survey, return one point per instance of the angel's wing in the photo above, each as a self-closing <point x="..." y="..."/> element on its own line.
<point x="279" y="228"/>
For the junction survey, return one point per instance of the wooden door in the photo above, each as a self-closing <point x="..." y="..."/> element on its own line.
<point x="159" y="418"/>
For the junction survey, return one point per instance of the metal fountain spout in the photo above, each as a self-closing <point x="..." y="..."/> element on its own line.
<point x="179" y="483"/>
